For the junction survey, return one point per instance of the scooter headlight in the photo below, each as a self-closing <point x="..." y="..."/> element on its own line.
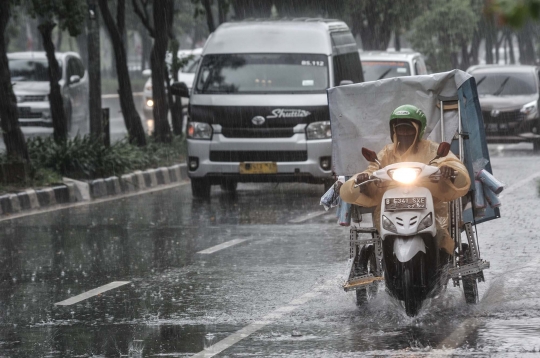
<point x="404" y="175"/>
<point x="426" y="222"/>
<point x="388" y="225"/>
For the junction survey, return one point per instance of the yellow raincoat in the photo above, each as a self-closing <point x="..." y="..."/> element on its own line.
<point x="422" y="151"/>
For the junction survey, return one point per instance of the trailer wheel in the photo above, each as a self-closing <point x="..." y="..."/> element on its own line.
<point x="470" y="284"/>
<point x="200" y="188"/>
<point x="366" y="264"/>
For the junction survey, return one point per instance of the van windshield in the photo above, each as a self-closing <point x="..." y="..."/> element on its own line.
<point x="263" y="73"/>
<point x="30" y="70"/>
<point x="377" y="70"/>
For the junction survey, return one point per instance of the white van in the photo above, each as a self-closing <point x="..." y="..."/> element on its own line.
<point x="258" y="108"/>
<point x="378" y="65"/>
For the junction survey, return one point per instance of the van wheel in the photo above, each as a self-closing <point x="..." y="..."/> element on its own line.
<point x="229" y="185"/>
<point x="200" y="188"/>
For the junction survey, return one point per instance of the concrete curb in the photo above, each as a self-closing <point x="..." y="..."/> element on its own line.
<point x="77" y="191"/>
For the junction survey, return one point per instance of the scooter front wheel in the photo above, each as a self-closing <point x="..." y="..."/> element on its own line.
<point x="411" y="297"/>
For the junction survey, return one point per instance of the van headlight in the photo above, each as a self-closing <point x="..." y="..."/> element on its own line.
<point x="530" y="110"/>
<point x="404" y="175"/>
<point x="319" y="130"/>
<point x="199" y="130"/>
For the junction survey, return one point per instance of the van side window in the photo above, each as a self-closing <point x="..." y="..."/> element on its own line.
<point x="348" y="67"/>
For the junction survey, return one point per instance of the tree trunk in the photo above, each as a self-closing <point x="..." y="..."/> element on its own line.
<point x="397" y="42"/>
<point x="475" y="44"/>
<point x="209" y="16"/>
<point x="59" y="117"/>
<point x="162" y="26"/>
<point x="9" y="116"/>
<point x="94" y="72"/>
<point x="465" y="60"/>
<point x="511" y="48"/>
<point x="132" y="119"/>
<point x="222" y="11"/>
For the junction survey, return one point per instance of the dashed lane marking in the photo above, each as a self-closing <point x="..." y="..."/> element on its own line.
<point x="222" y="246"/>
<point x="519" y="184"/>
<point x="307" y="217"/>
<point x="96" y="291"/>
<point x="257" y="325"/>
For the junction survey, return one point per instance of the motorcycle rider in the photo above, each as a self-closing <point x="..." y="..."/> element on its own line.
<point x="407" y="126"/>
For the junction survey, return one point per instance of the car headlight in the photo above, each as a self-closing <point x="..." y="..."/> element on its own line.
<point x="388" y="225"/>
<point x="199" y="130"/>
<point x="426" y="222"/>
<point x="530" y="110"/>
<point x="149" y="102"/>
<point x="319" y="130"/>
<point x="404" y="175"/>
<point x="148" y="88"/>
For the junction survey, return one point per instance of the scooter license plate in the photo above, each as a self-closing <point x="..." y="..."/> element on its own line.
<point x="392" y="204"/>
<point x="258" y="168"/>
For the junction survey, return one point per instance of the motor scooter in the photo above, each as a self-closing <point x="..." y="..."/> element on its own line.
<point x="405" y="253"/>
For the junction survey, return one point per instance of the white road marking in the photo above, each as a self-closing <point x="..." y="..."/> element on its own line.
<point x="222" y="246"/>
<point x="519" y="184"/>
<point x="307" y="217"/>
<point x="95" y="201"/>
<point x="257" y="325"/>
<point x="92" y="293"/>
<point x="115" y="95"/>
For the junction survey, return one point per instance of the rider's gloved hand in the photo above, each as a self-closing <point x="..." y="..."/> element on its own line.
<point x="446" y="172"/>
<point x="360" y="178"/>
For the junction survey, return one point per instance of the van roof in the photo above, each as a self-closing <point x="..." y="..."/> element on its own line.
<point x="275" y="36"/>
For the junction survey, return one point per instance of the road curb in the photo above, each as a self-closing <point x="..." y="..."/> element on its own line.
<point x="72" y="191"/>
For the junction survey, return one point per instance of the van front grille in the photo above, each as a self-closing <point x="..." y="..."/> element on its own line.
<point x="258" y="156"/>
<point x="257" y="132"/>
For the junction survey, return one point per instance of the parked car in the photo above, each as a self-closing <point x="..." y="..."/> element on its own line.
<point x="509" y="97"/>
<point x="258" y="107"/>
<point x="186" y="75"/>
<point x="30" y="77"/>
<point x="378" y="65"/>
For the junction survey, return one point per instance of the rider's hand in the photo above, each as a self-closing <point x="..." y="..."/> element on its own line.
<point x="360" y="178"/>
<point x="446" y="172"/>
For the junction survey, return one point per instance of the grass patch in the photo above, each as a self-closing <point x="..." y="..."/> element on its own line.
<point x="83" y="158"/>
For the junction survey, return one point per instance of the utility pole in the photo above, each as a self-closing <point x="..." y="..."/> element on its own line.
<point x="94" y="70"/>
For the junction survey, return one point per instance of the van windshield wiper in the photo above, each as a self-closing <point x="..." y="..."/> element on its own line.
<point x="384" y="74"/>
<point x="480" y="81"/>
<point x="501" y="88"/>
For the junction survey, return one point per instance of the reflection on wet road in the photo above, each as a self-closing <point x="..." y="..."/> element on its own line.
<point x="272" y="268"/>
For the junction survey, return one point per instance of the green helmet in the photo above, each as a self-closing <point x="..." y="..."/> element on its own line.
<point x="408" y="111"/>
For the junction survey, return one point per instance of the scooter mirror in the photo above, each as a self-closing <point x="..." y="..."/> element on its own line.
<point x="369" y="155"/>
<point x="443" y="150"/>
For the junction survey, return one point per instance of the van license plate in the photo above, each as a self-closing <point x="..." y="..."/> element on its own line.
<point x="258" y="168"/>
<point x="391" y="204"/>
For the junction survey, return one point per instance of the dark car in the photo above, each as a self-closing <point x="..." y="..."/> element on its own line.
<point x="509" y="98"/>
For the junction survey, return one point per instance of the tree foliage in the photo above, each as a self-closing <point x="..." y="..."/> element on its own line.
<point x="441" y="32"/>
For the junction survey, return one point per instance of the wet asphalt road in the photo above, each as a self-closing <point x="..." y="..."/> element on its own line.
<point x="280" y="286"/>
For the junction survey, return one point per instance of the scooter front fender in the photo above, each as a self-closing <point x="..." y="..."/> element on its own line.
<point x="406" y="247"/>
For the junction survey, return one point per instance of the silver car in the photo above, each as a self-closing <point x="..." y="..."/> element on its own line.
<point x="30" y="77"/>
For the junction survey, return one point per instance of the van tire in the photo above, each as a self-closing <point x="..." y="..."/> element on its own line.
<point x="200" y="188"/>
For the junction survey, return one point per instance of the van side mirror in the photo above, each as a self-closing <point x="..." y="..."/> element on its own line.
<point x="345" y="82"/>
<point x="180" y="89"/>
<point x="147" y="73"/>
<point x="370" y="156"/>
<point x="74" y="79"/>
